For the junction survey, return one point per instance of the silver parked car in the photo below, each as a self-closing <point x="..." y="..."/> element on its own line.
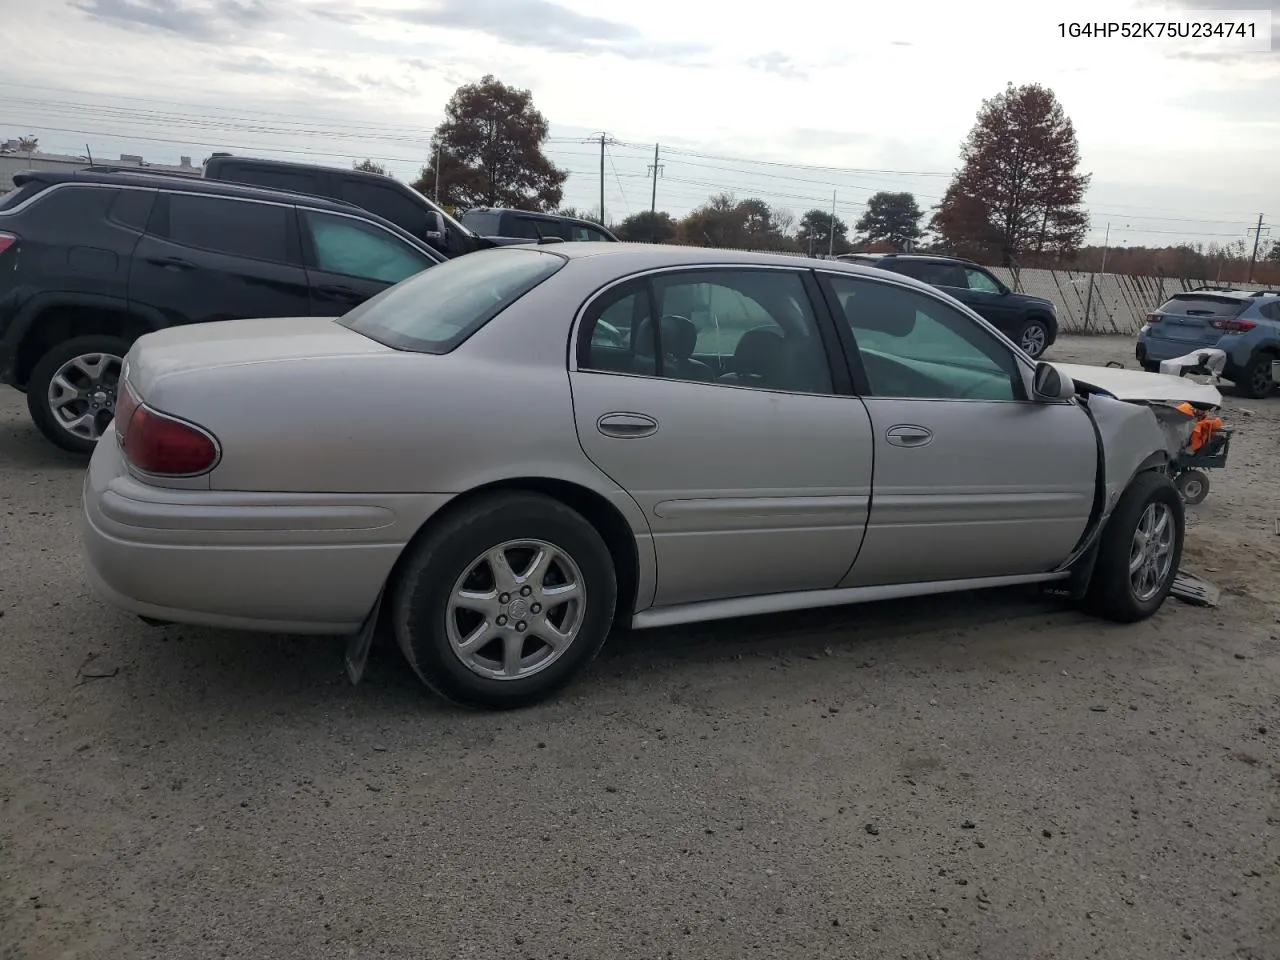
<point x="504" y="457"/>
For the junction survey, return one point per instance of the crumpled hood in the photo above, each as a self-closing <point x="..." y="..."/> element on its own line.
<point x="1142" y="386"/>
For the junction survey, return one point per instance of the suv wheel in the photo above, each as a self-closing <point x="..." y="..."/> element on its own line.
<point x="1034" y="338"/>
<point x="71" y="394"/>
<point x="1255" y="381"/>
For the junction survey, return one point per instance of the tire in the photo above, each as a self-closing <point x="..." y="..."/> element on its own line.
<point x="1193" y="486"/>
<point x="428" y="625"/>
<point x="52" y="419"/>
<point x="1111" y="594"/>
<point x="1150" y="367"/>
<point x="1033" y="338"/>
<point x="1255" y="381"/>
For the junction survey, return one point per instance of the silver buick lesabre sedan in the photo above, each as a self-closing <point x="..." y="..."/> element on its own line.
<point x="504" y="457"/>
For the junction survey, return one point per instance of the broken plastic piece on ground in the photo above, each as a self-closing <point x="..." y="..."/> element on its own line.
<point x="1191" y="589"/>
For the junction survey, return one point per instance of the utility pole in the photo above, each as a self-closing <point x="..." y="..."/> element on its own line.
<point x="602" y="140"/>
<point x="1257" y="236"/>
<point x="653" y="198"/>
<point x="436" y="189"/>
<point x="1106" y="243"/>
<point x="831" y="233"/>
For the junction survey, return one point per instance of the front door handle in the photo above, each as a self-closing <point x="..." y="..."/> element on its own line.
<point x="627" y="426"/>
<point x="908" y="435"/>
<point x="176" y="263"/>
<point x="338" y="290"/>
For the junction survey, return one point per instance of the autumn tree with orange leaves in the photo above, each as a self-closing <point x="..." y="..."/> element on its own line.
<point x="1018" y="191"/>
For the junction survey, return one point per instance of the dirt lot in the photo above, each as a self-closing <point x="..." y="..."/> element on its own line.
<point x="990" y="776"/>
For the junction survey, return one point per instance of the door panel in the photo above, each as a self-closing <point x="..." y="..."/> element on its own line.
<point x="971" y="478"/>
<point x="746" y="491"/>
<point x="211" y="258"/>
<point x="755" y="480"/>
<point x="997" y="489"/>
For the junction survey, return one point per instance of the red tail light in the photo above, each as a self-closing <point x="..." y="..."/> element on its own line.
<point x="7" y="240"/>
<point x="1153" y="318"/>
<point x="160" y="444"/>
<point x="1233" y="326"/>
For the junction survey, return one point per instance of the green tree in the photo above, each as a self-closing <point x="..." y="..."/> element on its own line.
<point x="1018" y="190"/>
<point x="891" y="218"/>
<point x="646" y="227"/>
<point x="1274" y="255"/>
<point x="814" y="235"/>
<point x="369" y="166"/>
<point x="724" y="221"/>
<point x="488" y="151"/>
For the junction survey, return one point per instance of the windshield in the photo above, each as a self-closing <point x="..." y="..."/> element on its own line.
<point x="1203" y="305"/>
<point x="437" y="309"/>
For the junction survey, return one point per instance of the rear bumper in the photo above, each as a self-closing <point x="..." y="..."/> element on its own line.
<point x="1156" y="349"/>
<point x="280" y="562"/>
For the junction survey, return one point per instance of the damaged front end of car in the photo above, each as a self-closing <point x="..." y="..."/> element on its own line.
<point x="1141" y="424"/>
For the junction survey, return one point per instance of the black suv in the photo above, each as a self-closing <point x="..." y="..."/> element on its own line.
<point x="382" y="195"/>
<point x="91" y="260"/>
<point x="1030" y="322"/>
<point x="503" y="225"/>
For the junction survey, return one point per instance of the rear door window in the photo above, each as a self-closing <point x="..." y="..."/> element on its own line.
<point x="1203" y="305"/>
<point x="385" y="201"/>
<point x="242" y="228"/>
<point x="300" y="181"/>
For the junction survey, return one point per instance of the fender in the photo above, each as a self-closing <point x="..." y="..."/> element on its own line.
<point x="30" y="312"/>
<point x="1115" y="473"/>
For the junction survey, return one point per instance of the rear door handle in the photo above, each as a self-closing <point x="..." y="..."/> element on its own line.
<point x="908" y="435"/>
<point x="176" y="262"/>
<point x="627" y="426"/>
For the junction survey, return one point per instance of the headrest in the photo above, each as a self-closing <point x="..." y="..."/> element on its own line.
<point x="679" y="337"/>
<point x="759" y="351"/>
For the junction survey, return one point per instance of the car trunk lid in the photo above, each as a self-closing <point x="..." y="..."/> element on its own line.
<point x="228" y="343"/>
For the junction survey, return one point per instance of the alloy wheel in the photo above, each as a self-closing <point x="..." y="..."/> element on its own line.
<point x="82" y="394"/>
<point x="1151" y="551"/>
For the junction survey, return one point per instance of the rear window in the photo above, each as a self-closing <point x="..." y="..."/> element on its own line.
<point x="1203" y="305"/>
<point x="439" y="308"/>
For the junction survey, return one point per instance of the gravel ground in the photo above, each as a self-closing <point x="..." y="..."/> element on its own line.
<point x="993" y="776"/>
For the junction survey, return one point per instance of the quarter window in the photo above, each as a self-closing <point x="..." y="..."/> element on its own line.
<point x="913" y="346"/>
<point x="241" y="228"/>
<point x="358" y="249"/>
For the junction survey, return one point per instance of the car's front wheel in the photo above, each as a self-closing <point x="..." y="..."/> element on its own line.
<point x="1140" y="551"/>
<point x="71" y="393"/>
<point x="1034" y="338"/>
<point x="505" y="601"/>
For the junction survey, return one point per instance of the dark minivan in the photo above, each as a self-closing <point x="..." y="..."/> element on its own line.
<point x="382" y="195"/>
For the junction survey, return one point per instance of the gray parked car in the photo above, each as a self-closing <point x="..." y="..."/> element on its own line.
<point x="1244" y="325"/>
<point x="504" y="457"/>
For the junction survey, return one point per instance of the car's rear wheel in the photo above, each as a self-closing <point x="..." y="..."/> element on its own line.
<point x="71" y="394"/>
<point x="1034" y="338"/>
<point x="505" y="601"/>
<point x="1140" y="551"/>
<point x="1255" y="380"/>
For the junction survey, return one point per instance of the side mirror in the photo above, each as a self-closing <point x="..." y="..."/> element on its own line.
<point x="1050" y="384"/>
<point x="434" y="232"/>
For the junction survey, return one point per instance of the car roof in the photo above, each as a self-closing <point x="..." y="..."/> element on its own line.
<point x="643" y="256"/>
<point x="536" y="213"/>
<point x="1221" y="294"/>
<point x="933" y="257"/>
<point x="180" y="183"/>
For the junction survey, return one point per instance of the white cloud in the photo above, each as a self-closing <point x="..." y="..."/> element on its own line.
<point x="819" y="82"/>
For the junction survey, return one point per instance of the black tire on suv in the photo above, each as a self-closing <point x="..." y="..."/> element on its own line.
<point x="1255" y="380"/>
<point x="71" y="394"/>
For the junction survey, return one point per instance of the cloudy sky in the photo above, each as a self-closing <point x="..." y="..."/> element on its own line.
<point x="788" y="102"/>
